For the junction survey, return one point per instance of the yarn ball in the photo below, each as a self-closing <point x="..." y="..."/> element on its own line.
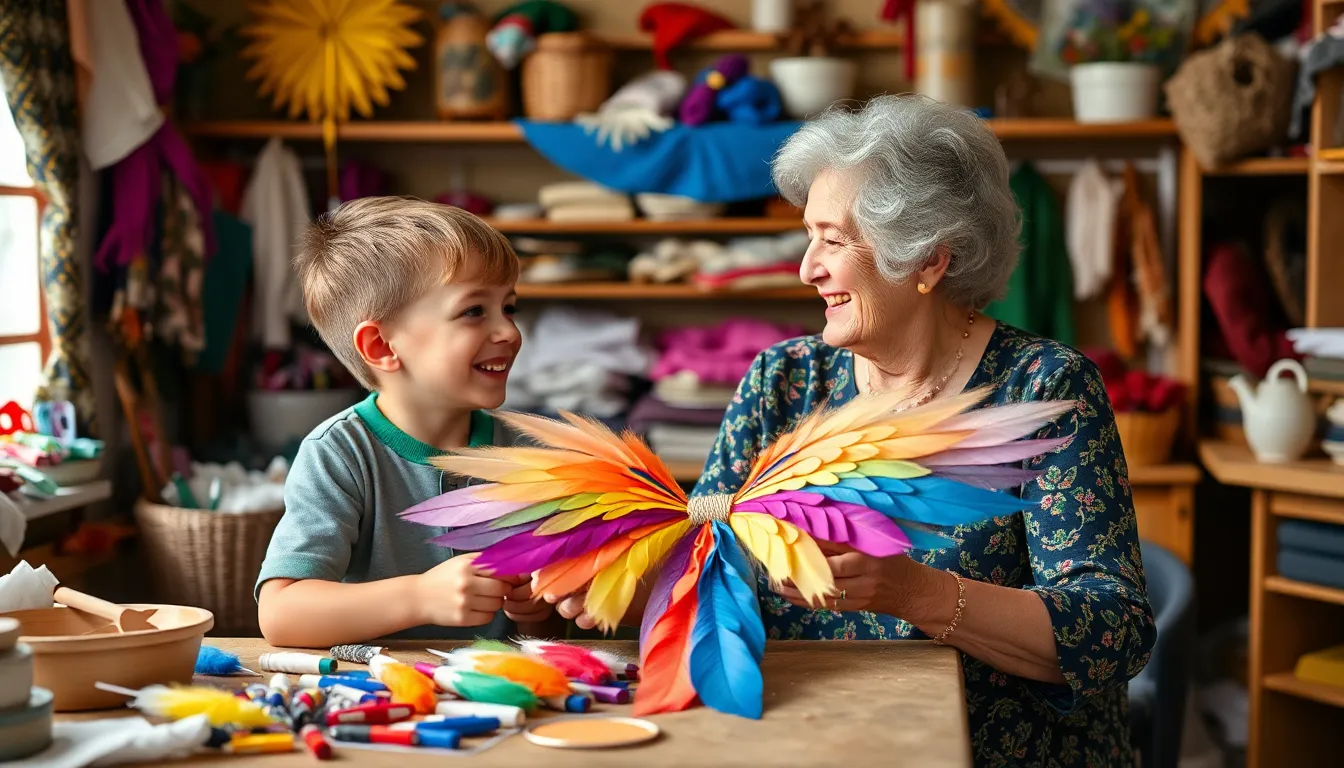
<point x="699" y="106"/>
<point x="751" y="100"/>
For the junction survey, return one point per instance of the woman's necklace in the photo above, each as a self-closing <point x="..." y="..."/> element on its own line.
<point x="956" y="365"/>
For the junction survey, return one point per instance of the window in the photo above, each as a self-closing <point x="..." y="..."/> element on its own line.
<point x="24" y="340"/>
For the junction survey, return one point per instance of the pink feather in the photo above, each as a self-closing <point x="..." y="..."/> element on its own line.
<point x="460" y="508"/>
<point x="1027" y="419"/>
<point x="864" y="529"/>
<point x="577" y="663"/>
<point x="532" y="552"/>
<point x="992" y="454"/>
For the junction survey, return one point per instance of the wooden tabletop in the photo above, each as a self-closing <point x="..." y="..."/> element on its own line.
<point x="861" y="702"/>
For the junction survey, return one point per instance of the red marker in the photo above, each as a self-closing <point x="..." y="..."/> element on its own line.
<point x="371" y="714"/>
<point x="316" y="742"/>
<point x="374" y="734"/>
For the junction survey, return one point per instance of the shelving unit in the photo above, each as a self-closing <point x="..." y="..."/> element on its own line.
<point x="1290" y="719"/>
<point x="669" y="291"/>
<point x="642" y="227"/>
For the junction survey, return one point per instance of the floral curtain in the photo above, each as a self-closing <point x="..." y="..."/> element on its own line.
<point x="38" y="74"/>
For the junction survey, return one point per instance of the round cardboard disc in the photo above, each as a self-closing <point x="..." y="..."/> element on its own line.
<point x="9" y="633"/>
<point x="590" y="732"/>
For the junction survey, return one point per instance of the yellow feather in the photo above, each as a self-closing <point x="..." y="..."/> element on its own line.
<point x="613" y="588"/>
<point x="811" y="572"/>
<point x="786" y="552"/>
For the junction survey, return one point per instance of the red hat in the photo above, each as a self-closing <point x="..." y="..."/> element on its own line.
<point x="675" y="23"/>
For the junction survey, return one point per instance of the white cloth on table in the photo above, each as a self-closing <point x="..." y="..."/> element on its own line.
<point x="1090" y="214"/>
<point x="26" y="587"/>
<point x="120" y="112"/>
<point x="275" y="203"/>
<point x="119" y="741"/>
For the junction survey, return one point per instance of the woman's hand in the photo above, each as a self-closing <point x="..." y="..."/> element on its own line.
<point x="890" y="585"/>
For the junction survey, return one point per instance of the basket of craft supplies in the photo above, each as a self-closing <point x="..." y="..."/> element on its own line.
<point x="568" y="74"/>
<point x="207" y="551"/>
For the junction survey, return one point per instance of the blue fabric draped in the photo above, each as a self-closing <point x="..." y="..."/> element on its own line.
<point x="714" y="163"/>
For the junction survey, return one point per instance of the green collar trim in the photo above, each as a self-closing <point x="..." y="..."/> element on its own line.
<point x="482" y="432"/>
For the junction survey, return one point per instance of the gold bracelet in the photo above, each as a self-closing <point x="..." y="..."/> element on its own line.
<point x="941" y="639"/>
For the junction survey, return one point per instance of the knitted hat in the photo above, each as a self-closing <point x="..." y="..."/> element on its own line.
<point x="675" y="23"/>
<point x="515" y="32"/>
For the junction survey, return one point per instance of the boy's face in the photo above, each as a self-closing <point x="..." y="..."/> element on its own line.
<point x="457" y="343"/>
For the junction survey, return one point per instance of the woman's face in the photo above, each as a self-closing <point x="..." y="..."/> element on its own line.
<point x="860" y="303"/>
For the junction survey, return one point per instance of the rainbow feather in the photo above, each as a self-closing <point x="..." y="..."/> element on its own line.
<point x="590" y="510"/>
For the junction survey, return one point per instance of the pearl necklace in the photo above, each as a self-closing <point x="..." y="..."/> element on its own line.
<point x="956" y="365"/>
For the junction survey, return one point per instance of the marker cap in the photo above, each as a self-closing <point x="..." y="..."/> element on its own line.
<point x="438" y="737"/>
<point x="326" y="666"/>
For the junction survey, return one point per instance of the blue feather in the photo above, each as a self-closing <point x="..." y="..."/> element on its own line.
<point x="213" y="661"/>
<point x="728" y="639"/>
<point x="930" y="500"/>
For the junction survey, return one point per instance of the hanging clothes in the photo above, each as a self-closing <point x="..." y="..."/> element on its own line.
<point x="1040" y="292"/>
<point x="1092" y="203"/>
<point x="276" y="205"/>
<point x="120" y="111"/>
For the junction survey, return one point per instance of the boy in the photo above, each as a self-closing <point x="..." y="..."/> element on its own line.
<point x="417" y="300"/>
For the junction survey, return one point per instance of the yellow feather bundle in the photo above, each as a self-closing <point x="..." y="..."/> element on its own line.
<point x="221" y="707"/>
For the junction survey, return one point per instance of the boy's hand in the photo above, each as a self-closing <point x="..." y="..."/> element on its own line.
<point x="522" y="607"/>
<point x="455" y="594"/>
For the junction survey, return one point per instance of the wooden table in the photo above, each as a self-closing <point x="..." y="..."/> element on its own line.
<point x="1288" y="716"/>
<point x="863" y="702"/>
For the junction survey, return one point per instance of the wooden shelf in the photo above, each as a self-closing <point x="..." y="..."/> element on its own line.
<point x="67" y="498"/>
<point x="745" y="40"/>
<point x="727" y="226"/>
<point x="1286" y="586"/>
<point x="430" y="131"/>
<point x="1165" y="474"/>
<point x="674" y="291"/>
<point x="1307" y="508"/>
<point x="1287" y="682"/>
<point x="1263" y="166"/>
<point x="1235" y="465"/>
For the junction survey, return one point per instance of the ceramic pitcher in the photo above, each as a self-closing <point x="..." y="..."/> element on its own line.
<point x="1277" y="414"/>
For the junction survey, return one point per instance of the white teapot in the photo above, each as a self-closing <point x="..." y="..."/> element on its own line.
<point x="1277" y="414"/>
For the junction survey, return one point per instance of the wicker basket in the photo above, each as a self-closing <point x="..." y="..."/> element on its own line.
<point x="1232" y="99"/>
<point x="1148" y="438"/>
<point x="569" y="73"/>
<point x="207" y="559"/>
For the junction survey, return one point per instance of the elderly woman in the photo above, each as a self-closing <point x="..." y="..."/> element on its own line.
<point x="913" y="231"/>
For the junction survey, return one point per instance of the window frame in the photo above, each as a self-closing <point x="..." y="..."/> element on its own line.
<point x="43" y="335"/>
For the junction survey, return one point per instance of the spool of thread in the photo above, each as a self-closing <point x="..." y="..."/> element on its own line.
<point x="355" y="654"/>
<point x="297" y="663"/>
<point x="508" y="717"/>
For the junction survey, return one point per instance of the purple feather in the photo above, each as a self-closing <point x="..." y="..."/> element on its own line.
<point x="531" y="552"/>
<point x="994" y="454"/>
<point x="672" y="569"/>
<point x="459" y="508"/>
<point x="864" y="529"/>
<point x="988" y="478"/>
<point x="476" y="537"/>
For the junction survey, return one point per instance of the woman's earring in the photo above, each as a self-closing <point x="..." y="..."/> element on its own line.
<point x="923" y="288"/>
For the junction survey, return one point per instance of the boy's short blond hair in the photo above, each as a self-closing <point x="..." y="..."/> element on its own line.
<point x="371" y="257"/>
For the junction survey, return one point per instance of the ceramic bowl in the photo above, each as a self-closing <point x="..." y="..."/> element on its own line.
<point x="76" y="472"/>
<point x="74" y="650"/>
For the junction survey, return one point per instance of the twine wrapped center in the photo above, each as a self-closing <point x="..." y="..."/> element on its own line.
<point x="715" y="506"/>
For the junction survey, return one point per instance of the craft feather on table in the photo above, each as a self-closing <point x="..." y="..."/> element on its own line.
<point x="598" y="511"/>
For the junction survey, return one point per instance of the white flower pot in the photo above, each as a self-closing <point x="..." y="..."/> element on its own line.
<point x="1114" y="92"/>
<point x="810" y="84"/>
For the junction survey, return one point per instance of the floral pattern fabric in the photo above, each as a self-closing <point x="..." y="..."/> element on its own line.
<point x="1077" y="546"/>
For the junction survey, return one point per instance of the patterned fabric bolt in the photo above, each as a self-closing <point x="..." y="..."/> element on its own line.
<point x="1077" y="547"/>
<point x="39" y="83"/>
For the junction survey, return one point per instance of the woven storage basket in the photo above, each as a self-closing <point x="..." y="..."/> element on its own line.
<point x="1148" y="437"/>
<point x="1232" y="99"/>
<point x="569" y="73"/>
<point x="207" y="559"/>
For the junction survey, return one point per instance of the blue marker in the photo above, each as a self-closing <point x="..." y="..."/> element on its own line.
<point x="326" y="681"/>
<point x="466" y="726"/>
<point x="443" y="739"/>
<point x="572" y="703"/>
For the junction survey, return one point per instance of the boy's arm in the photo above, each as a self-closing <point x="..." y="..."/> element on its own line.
<point x="312" y="613"/>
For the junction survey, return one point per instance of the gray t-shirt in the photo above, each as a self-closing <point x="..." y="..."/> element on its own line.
<point x="352" y="476"/>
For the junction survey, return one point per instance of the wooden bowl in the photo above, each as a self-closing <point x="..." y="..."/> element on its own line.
<point x="73" y="650"/>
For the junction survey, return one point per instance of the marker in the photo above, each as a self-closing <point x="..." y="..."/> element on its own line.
<point x="326" y="681"/>
<point x="509" y="717"/>
<point x="257" y="691"/>
<point x="255" y="744"/>
<point x="466" y="726"/>
<point x="371" y="714"/>
<point x="617" y="683"/>
<point x="373" y="734"/>
<point x="426" y="669"/>
<point x="574" y="702"/>
<point x="353" y="694"/>
<point x="606" y="694"/>
<point x="442" y="739"/>
<point x="315" y="742"/>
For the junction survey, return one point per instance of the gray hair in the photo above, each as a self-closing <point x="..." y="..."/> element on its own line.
<point x="930" y="175"/>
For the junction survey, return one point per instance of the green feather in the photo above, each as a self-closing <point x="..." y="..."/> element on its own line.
<point x="545" y="508"/>
<point x="486" y="644"/>
<point x="895" y="469"/>
<point x="478" y="686"/>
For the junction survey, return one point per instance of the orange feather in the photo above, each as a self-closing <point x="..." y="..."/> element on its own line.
<point x="665" y="680"/>
<point x="542" y="678"/>
<point x="409" y="687"/>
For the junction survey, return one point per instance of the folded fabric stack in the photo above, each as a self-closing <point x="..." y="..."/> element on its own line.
<point x="584" y="201"/>
<point x="1312" y="552"/>
<point x="579" y="361"/>
<point x="659" y="207"/>
<point x="566" y="261"/>
<point x="743" y="263"/>
<point x="695" y="378"/>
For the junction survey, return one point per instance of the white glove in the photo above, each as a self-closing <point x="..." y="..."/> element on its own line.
<point x="625" y="126"/>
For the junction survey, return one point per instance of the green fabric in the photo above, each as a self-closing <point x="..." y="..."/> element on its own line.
<point x="545" y="15"/>
<point x="352" y="477"/>
<point x="37" y="75"/>
<point x="409" y="448"/>
<point x="226" y="274"/>
<point x="1040" y="291"/>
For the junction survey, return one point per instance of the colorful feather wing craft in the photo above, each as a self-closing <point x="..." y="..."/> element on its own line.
<point x="589" y="510"/>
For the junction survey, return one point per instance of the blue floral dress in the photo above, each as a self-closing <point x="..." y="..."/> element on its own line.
<point x="1077" y="547"/>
